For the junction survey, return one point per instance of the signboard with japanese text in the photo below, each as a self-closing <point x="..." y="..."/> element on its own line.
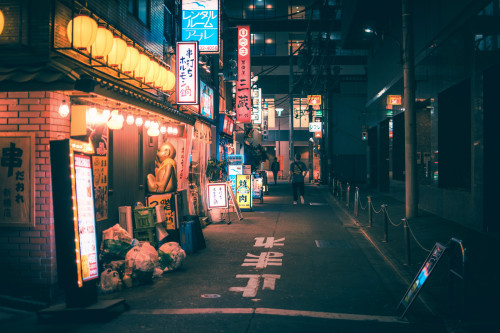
<point x="243" y="85"/>
<point x="200" y="23"/>
<point x="394" y="100"/>
<point x="257" y="187"/>
<point x="314" y="100"/>
<point x="256" y="106"/>
<point x="315" y="126"/>
<point x="17" y="179"/>
<point x="98" y="136"/>
<point x="168" y="200"/>
<point x="217" y="195"/>
<point x="187" y="83"/>
<point x="244" y="191"/>
<point x="226" y="124"/>
<point x="206" y="101"/>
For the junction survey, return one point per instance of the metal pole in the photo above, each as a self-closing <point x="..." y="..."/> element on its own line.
<point x="407" y="240"/>
<point x="370" y="220"/>
<point x="348" y="195"/>
<point x="290" y="91"/>
<point x="279" y="146"/>
<point x="341" y="192"/>
<point x="386" y="224"/>
<point x="356" y="202"/>
<point x="410" y="113"/>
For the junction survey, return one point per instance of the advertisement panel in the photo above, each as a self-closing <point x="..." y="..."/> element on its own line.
<point x="244" y="191"/>
<point x="187" y="84"/>
<point x="315" y="126"/>
<point x="200" y="23"/>
<point x="257" y="106"/>
<point x="243" y="98"/>
<point x="206" y="101"/>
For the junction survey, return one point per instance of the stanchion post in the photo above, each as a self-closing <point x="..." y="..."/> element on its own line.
<point x="356" y="201"/>
<point x="370" y="219"/>
<point x="407" y="240"/>
<point x="386" y="224"/>
<point x="348" y="195"/>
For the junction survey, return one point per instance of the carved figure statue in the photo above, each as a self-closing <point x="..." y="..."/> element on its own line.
<point x="165" y="178"/>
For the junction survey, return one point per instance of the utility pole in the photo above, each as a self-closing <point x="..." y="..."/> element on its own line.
<point x="290" y="91"/>
<point x="410" y="113"/>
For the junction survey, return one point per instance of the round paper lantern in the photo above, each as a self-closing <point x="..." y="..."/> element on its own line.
<point x="116" y="121"/>
<point x="2" y="22"/>
<point x="118" y="52"/>
<point x="170" y="84"/>
<point x="154" y="71"/>
<point x="103" y="43"/>
<point x="82" y="31"/>
<point x="131" y="60"/>
<point x="162" y="78"/>
<point x="153" y="130"/>
<point x="142" y="67"/>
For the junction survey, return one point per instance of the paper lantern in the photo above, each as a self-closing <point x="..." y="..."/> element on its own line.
<point x="153" y="72"/>
<point x="2" y="22"/>
<point x="116" y="121"/>
<point x="162" y="78"/>
<point x="131" y="60"/>
<point x="170" y="84"/>
<point x="153" y="130"/>
<point x="130" y="119"/>
<point x="103" y="43"/>
<point x="142" y="67"/>
<point x="82" y="31"/>
<point x="118" y="52"/>
<point x="138" y="121"/>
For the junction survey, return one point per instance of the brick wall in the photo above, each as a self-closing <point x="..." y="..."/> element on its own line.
<point x="27" y="254"/>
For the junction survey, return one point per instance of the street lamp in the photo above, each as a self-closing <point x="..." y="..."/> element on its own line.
<point x="279" y="110"/>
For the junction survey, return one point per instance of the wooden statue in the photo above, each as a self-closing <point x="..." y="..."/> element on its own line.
<point x="165" y="178"/>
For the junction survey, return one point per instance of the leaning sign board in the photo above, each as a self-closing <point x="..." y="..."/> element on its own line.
<point x="421" y="277"/>
<point x="217" y="195"/>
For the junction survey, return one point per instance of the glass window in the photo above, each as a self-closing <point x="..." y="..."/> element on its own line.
<point x="300" y="113"/>
<point x="263" y="44"/>
<point x="297" y="12"/>
<point x="140" y="9"/>
<point x="259" y="9"/>
<point x="296" y="44"/>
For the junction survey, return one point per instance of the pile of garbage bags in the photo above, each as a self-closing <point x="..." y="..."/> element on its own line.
<point x="127" y="262"/>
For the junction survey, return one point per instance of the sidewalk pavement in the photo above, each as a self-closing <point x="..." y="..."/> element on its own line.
<point x="467" y="305"/>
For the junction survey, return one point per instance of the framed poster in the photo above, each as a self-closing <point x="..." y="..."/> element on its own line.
<point x="217" y="195"/>
<point x="17" y="179"/>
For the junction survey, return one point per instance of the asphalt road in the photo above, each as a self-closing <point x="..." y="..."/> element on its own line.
<point x="283" y="268"/>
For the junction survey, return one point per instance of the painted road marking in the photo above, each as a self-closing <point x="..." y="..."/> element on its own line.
<point x="268" y="242"/>
<point x="274" y="312"/>
<point x="263" y="260"/>
<point x="250" y="290"/>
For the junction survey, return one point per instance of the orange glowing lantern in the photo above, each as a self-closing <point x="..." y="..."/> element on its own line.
<point x="103" y="43"/>
<point x="142" y="67"/>
<point x="131" y="60"/>
<point x="162" y="78"/>
<point x="82" y="31"/>
<point x="118" y="52"/>
<point x="153" y="73"/>
<point x="170" y="84"/>
<point x="2" y="22"/>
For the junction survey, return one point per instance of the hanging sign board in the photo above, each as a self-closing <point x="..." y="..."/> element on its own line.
<point x="187" y="84"/>
<point x="315" y="126"/>
<point x="244" y="191"/>
<point x="314" y="100"/>
<point x="217" y="195"/>
<point x="243" y="85"/>
<point x="394" y="100"/>
<point x="422" y="276"/>
<point x="200" y="23"/>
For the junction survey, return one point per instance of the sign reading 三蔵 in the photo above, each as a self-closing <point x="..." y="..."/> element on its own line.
<point x="243" y="85"/>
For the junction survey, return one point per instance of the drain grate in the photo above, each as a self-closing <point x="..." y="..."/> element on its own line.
<point x="333" y="244"/>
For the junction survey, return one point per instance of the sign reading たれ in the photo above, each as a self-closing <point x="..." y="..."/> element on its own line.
<point x="217" y="195"/>
<point x="187" y="83"/>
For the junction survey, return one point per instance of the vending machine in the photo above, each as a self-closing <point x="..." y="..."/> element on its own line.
<point x="74" y="221"/>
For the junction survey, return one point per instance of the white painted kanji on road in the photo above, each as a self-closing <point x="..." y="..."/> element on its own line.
<point x="263" y="260"/>
<point x="250" y="290"/>
<point x="268" y="242"/>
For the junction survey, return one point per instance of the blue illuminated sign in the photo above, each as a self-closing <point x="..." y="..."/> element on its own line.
<point x="200" y="23"/>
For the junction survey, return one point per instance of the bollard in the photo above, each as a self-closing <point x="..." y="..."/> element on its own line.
<point x="370" y="220"/>
<point x="356" y="201"/>
<point x="407" y="240"/>
<point x="386" y="224"/>
<point x="348" y="195"/>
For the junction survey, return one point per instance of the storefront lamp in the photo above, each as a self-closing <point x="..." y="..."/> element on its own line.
<point x="153" y="72"/>
<point x="118" y="52"/>
<point x="162" y="78"/>
<point x="131" y="60"/>
<point x="64" y="109"/>
<point x="116" y="121"/>
<point x="2" y="21"/>
<point x="106" y="113"/>
<point x="163" y="130"/>
<point x="103" y="43"/>
<point x="153" y="129"/>
<point x="142" y="67"/>
<point x="82" y="31"/>
<point x="170" y="82"/>
<point x="138" y="121"/>
<point x="147" y="123"/>
<point x="130" y="119"/>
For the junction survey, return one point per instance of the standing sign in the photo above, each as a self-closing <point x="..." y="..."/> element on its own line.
<point x="243" y="85"/>
<point x="17" y="179"/>
<point x="244" y="191"/>
<point x="187" y="83"/>
<point x="217" y="195"/>
<point x="200" y="23"/>
<point x="206" y="101"/>
<point x="422" y="276"/>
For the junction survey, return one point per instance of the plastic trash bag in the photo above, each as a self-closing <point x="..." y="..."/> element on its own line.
<point x="116" y="242"/>
<point x="171" y="256"/>
<point x="140" y="263"/>
<point x="110" y="281"/>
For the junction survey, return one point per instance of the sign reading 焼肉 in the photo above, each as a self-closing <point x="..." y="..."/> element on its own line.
<point x="17" y="173"/>
<point x="244" y="191"/>
<point x="243" y="85"/>
<point x="187" y="83"/>
<point x="200" y="23"/>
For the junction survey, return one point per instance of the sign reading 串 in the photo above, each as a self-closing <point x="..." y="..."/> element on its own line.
<point x="200" y="23"/>
<point x="243" y="85"/>
<point x="187" y="83"/>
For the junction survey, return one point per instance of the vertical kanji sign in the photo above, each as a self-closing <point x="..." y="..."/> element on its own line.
<point x="187" y="83"/>
<point x="243" y="85"/>
<point x="17" y="183"/>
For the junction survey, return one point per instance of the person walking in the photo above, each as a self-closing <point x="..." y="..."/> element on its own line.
<point x="298" y="171"/>
<point x="275" y="168"/>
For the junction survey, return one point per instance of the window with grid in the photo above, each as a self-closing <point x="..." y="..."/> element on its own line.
<point x="263" y="44"/>
<point x="296" y="41"/>
<point x="300" y="113"/>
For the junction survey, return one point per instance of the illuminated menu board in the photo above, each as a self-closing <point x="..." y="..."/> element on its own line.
<point x="85" y="216"/>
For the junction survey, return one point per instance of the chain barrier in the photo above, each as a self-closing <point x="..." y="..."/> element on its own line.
<point x="416" y="240"/>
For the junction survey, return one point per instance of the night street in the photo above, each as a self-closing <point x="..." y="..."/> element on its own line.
<point x="321" y="276"/>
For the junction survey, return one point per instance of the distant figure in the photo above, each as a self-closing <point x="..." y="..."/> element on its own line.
<point x="275" y="168"/>
<point x="298" y="171"/>
<point x="165" y="178"/>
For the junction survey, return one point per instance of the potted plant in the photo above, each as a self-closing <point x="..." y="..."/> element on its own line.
<point x="216" y="170"/>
